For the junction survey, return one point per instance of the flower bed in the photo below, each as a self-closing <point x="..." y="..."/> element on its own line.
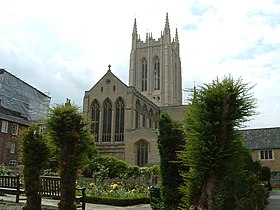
<point x="116" y="193"/>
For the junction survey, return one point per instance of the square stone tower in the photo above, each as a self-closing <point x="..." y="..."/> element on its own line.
<point x="155" y="67"/>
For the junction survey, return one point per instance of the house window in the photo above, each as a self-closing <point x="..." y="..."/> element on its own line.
<point x="266" y="155"/>
<point x="144" y="75"/>
<point x="141" y="153"/>
<point x="107" y="121"/>
<point x="4" y="128"/>
<point x="13" y="163"/>
<point x="119" y="129"/>
<point x="95" y="117"/>
<point x="15" y="129"/>
<point x="13" y="148"/>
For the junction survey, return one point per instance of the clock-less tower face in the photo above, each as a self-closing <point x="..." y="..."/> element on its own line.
<point x="155" y="67"/>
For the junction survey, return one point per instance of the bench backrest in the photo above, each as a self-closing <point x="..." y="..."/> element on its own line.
<point x="9" y="181"/>
<point x="50" y="186"/>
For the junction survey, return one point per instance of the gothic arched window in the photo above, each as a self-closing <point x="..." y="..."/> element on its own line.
<point x="137" y="114"/>
<point x="119" y="129"/>
<point x="144" y="75"/>
<point x="144" y="116"/>
<point x="150" y="118"/>
<point x="95" y="117"/>
<point x="107" y="121"/>
<point x="142" y="149"/>
<point x="156" y="74"/>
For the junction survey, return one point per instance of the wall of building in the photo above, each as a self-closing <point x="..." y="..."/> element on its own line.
<point x="9" y="143"/>
<point x="273" y="164"/>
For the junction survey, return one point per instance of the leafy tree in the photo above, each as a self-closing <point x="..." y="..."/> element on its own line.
<point x="170" y="141"/>
<point x="74" y="144"/>
<point x="34" y="157"/>
<point x="114" y="166"/>
<point x="215" y="113"/>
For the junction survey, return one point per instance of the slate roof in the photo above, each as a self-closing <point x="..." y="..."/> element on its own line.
<point x="262" y="138"/>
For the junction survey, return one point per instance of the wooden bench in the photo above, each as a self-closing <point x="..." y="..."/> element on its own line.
<point x="11" y="185"/>
<point x="51" y="187"/>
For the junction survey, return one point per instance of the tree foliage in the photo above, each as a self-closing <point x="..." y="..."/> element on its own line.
<point x="170" y="141"/>
<point x="73" y="143"/>
<point x="215" y="113"/>
<point x="34" y="157"/>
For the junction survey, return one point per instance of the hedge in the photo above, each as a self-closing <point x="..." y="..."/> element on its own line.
<point x="118" y="201"/>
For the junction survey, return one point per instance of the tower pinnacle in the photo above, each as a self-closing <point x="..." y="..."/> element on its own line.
<point x="167" y="30"/>
<point x="176" y="36"/>
<point x="166" y="23"/>
<point x="135" y="28"/>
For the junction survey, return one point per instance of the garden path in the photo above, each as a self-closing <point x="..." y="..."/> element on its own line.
<point x="274" y="200"/>
<point x="7" y="202"/>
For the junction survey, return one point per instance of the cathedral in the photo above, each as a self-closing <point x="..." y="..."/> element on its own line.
<point x="125" y="116"/>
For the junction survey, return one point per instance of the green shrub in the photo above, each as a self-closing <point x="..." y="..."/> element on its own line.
<point x="34" y="157"/>
<point x="116" y="168"/>
<point x="170" y="142"/>
<point x="265" y="176"/>
<point x="4" y="170"/>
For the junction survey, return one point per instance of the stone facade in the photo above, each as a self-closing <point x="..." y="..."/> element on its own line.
<point x="154" y="85"/>
<point x="139" y="119"/>
<point x="265" y="146"/>
<point x="155" y="67"/>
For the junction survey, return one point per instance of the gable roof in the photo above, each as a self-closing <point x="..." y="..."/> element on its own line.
<point x="262" y="138"/>
<point x="109" y="72"/>
<point x="131" y="88"/>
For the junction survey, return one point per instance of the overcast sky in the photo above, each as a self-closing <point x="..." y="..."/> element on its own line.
<point x="64" y="47"/>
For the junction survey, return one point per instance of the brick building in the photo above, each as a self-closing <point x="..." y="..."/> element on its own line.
<point x="20" y="105"/>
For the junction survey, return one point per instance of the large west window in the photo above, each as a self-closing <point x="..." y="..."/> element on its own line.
<point x="156" y="74"/>
<point x="119" y="129"/>
<point x="266" y="154"/>
<point x="107" y="121"/>
<point x="141" y="153"/>
<point x="95" y="117"/>
<point x="144" y="75"/>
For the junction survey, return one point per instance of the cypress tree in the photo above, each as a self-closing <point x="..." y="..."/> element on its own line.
<point x="170" y="141"/>
<point x="73" y="143"/>
<point x="216" y="111"/>
<point x="34" y="157"/>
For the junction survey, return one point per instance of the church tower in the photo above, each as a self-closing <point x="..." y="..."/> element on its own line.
<point x="155" y="67"/>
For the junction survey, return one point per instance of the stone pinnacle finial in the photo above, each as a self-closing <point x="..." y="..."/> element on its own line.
<point x="109" y="67"/>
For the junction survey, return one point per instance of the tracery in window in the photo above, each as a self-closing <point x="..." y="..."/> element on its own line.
<point x="119" y="129"/>
<point x="150" y="118"/>
<point x="144" y="116"/>
<point x="156" y="74"/>
<point x="107" y="121"/>
<point x="142" y="149"/>
<point x="95" y="117"/>
<point x="144" y="75"/>
<point x="137" y="114"/>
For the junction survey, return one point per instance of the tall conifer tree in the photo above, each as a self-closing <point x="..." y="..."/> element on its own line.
<point x="73" y="143"/>
<point x="170" y="142"/>
<point x="214" y="115"/>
